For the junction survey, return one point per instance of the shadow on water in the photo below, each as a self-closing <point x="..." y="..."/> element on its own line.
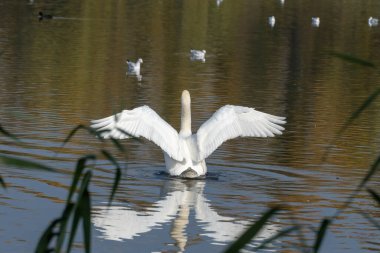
<point x="209" y="176"/>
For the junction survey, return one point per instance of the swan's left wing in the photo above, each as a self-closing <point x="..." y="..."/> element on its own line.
<point x="141" y="122"/>
<point x="235" y="121"/>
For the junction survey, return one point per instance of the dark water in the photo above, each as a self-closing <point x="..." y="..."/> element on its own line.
<point x="56" y="74"/>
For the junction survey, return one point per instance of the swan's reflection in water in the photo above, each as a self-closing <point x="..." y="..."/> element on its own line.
<point x="120" y="223"/>
<point x="135" y="73"/>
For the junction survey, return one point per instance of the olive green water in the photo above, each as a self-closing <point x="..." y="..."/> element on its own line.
<point x="58" y="73"/>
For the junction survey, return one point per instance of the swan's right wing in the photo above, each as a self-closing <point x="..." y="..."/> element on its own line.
<point x="234" y="121"/>
<point x="140" y="122"/>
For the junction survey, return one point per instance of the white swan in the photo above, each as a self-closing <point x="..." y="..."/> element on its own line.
<point x="134" y="67"/>
<point x="184" y="152"/>
<point x="315" y="21"/>
<point x="373" y="21"/>
<point x="198" y="55"/>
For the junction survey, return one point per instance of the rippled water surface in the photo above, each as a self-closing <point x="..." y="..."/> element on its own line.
<point x="58" y="73"/>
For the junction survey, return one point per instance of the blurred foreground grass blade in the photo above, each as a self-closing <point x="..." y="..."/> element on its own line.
<point x="275" y="237"/>
<point x="43" y="243"/>
<point x="368" y="176"/>
<point x="370" y="219"/>
<point x="24" y="164"/>
<point x="362" y="107"/>
<point x="118" y="145"/>
<point x="117" y="175"/>
<point x="321" y="233"/>
<point x="353" y="59"/>
<point x="2" y="183"/>
<point x="251" y="232"/>
<point x="353" y="116"/>
<point x="85" y="207"/>
<point x="81" y="164"/>
<point x="370" y="173"/>
<point x="62" y="226"/>
<point x="79" y="127"/>
<point x="78" y="212"/>
<point x="8" y="134"/>
<point x="374" y="195"/>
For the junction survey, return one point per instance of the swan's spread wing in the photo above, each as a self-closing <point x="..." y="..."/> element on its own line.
<point x="235" y="121"/>
<point x="141" y="121"/>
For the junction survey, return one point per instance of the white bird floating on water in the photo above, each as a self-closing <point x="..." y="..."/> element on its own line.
<point x="271" y="21"/>
<point x="198" y="55"/>
<point x="184" y="152"/>
<point x="373" y="21"/>
<point x="315" y="21"/>
<point x="134" y="68"/>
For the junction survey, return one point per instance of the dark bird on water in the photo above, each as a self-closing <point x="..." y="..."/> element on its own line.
<point x="42" y="16"/>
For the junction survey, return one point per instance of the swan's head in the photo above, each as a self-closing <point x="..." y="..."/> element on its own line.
<point x="140" y="60"/>
<point x="203" y="51"/>
<point x="185" y="99"/>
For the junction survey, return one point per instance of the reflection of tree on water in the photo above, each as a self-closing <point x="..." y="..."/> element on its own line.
<point x="119" y="222"/>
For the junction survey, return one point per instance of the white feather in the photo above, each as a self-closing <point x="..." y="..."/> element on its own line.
<point x="235" y="121"/>
<point x="141" y="122"/>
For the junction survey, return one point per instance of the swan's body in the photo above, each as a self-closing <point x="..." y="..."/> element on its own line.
<point x="373" y="21"/>
<point x="315" y="21"/>
<point x="134" y="67"/>
<point x="184" y="152"/>
<point x="198" y="55"/>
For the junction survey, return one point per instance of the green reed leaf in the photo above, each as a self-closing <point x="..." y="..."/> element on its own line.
<point x="73" y="132"/>
<point x="353" y="116"/>
<point x="251" y="232"/>
<point x="25" y="164"/>
<point x="8" y="134"/>
<point x="374" y="195"/>
<point x="88" y="129"/>
<point x="320" y="236"/>
<point x="370" y="219"/>
<point x="85" y="207"/>
<point x="275" y="237"/>
<point x="375" y="166"/>
<point x="2" y="183"/>
<point x="81" y="164"/>
<point x="353" y="59"/>
<point x="362" y="107"/>
<point x="118" y="145"/>
<point x="47" y="236"/>
<point x="117" y="174"/>
<point x="63" y="225"/>
<point x="78" y="209"/>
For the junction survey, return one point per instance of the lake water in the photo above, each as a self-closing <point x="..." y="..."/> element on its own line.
<point x="59" y="73"/>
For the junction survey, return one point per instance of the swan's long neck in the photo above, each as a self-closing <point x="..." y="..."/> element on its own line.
<point x="185" y="114"/>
